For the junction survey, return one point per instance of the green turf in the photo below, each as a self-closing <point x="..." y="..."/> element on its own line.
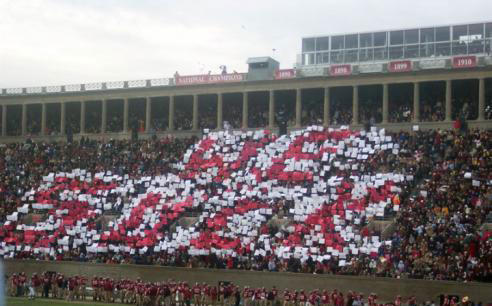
<point x="51" y="302"/>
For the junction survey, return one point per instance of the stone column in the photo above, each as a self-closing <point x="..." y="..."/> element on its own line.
<point x="62" y="117"/>
<point x="416" y="102"/>
<point x="245" y="110"/>
<point x="219" y="110"/>
<point x="448" y="99"/>
<point x="24" y="119"/>
<point x="125" y="114"/>
<point x="271" y="110"/>
<point x="4" y="120"/>
<point x="355" y="105"/>
<point x="82" y="117"/>
<point x="195" y="112"/>
<point x="385" y="103"/>
<point x="298" y="108"/>
<point x="43" y="119"/>
<point x="148" y="114"/>
<point x="481" y="99"/>
<point x="171" y="113"/>
<point x="104" y="112"/>
<point x="326" y="107"/>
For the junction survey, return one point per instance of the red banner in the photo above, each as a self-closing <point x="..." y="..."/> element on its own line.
<point x="341" y="70"/>
<point x="400" y="66"/>
<point x="285" y="74"/>
<point x="464" y="61"/>
<point x="209" y="79"/>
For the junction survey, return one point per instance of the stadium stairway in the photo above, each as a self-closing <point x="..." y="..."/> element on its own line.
<point x="186" y="221"/>
<point x="32" y="218"/>
<point x="105" y="219"/>
<point x="279" y="222"/>
<point x="384" y="228"/>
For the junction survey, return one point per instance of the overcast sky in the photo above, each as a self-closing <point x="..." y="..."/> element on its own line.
<point x="54" y="42"/>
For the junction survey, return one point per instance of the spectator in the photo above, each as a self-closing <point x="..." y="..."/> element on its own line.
<point x="438" y="229"/>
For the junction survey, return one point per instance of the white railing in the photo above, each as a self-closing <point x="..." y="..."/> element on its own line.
<point x="34" y="90"/>
<point x="93" y="86"/>
<point x="13" y="91"/>
<point x="115" y="85"/>
<point x="73" y="88"/>
<point x="160" y="82"/>
<point x="52" y="89"/>
<point x="137" y="84"/>
<point x="96" y="86"/>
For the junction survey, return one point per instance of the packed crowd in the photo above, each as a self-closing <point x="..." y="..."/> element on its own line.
<point x="257" y="115"/>
<point x="370" y="112"/>
<point x="439" y="234"/>
<point x="34" y="126"/>
<point x="340" y="113"/>
<point x="172" y="292"/>
<point x="208" y="117"/>
<point x="72" y="122"/>
<point x="312" y="113"/>
<point x="464" y="109"/>
<point x="400" y="113"/>
<point x="252" y="257"/>
<point x="233" y="114"/>
<point x="159" y="124"/>
<point x="92" y="121"/>
<point x="182" y="120"/>
<point x="115" y="123"/>
<point x="299" y="203"/>
<point x="24" y="164"/>
<point x="488" y="112"/>
<point x="432" y="107"/>
<point x="52" y="128"/>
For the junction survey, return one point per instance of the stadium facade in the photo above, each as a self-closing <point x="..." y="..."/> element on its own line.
<point x="450" y="64"/>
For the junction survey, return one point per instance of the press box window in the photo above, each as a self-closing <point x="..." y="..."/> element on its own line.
<point x="308" y="44"/>
<point x="322" y="44"/>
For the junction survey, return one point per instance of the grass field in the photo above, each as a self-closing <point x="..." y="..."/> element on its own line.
<point x="49" y="302"/>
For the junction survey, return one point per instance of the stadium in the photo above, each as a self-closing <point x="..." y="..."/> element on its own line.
<point x="363" y="174"/>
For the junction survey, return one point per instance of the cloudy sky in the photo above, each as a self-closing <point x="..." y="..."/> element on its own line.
<point x="54" y="42"/>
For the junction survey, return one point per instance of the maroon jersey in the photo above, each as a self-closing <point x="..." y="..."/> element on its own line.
<point x="59" y="280"/>
<point x="187" y="293"/>
<point x="36" y="282"/>
<point x="71" y="283"/>
<point x="294" y="296"/>
<point x="22" y="279"/>
<point x="340" y="300"/>
<point x="197" y="290"/>
<point x="213" y="293"/>
<point x="302" y="297"/>
<point x="313" y="298"/>
<point x="287" y="296"/>
<point x="46" y="279"/>
<point x="325" y="298"/>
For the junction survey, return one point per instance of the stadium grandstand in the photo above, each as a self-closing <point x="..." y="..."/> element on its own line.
<point x="367" y="169"/>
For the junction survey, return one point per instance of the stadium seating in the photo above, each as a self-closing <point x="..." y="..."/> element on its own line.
<point x="300" y="202"/>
